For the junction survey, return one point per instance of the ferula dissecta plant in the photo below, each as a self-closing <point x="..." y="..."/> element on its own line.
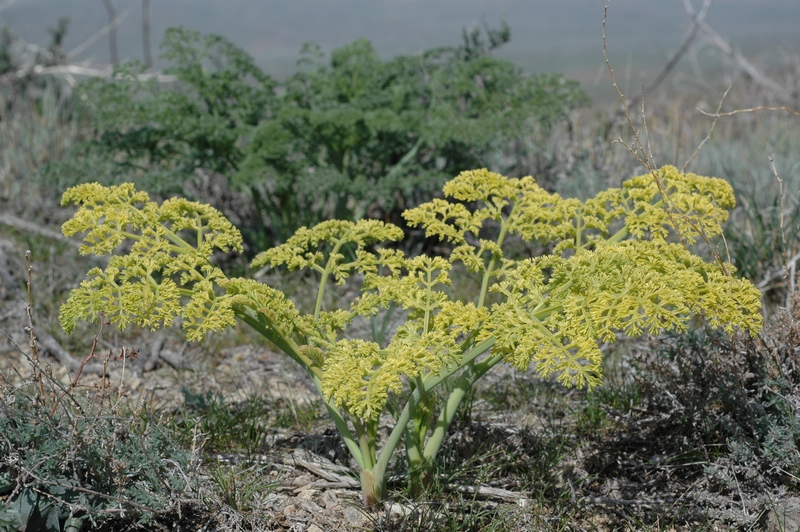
<point x="620" y="264"/>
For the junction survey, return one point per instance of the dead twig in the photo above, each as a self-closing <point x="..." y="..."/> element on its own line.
<point x="670" y="65"/>
<point x="55" y="349"/>
<point x="645" y="157"/>
<point x="710" y="131"/>
<point x="80" y="370"/>
<point x="750" y="110"/>
<point x="728" y="49"/>
<point x="30" y="227"/>
<point x="39" y="70"/>
<point x="489" y="493"/>
<point x="606" y="501"/>
<point x="37" y="368"/>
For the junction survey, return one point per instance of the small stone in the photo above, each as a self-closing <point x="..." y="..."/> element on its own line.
<point x="313" y="528"/>
<point x="310" y="507"/>
<point x="133" y="383"/>
<point x="400" y="510"/>
<point x="354" y="517"/>
<point x="307" y="494"/>
<point x="329" y="499"/>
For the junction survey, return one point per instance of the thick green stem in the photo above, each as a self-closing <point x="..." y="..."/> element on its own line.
<point x="447" y="414"/>
<point x="372" y="486"/>
<point x="619" y="236"/>
<point x="341" y="425"/>
<point x="254" y="320"/>
<point x="428" y="283"/>
<point x="199" y="232"/>
<point x="379" y="470"/>
<point x="366" y="442"/>
<point x="395" y="170"/>
<point x="415" y="438"/>
<point x="324" y="280"/>
<point x="372" y="489"/>
<point x="490" y="267"/>
<point x="257" y="321"/>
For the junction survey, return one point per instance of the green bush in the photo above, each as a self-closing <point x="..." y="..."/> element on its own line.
<point x="358" y="136"/>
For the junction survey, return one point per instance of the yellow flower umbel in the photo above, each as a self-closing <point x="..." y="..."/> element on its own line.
<point x="620" y="264"/>
<point x="554" y="310"/>
<point x="163" y="275"/>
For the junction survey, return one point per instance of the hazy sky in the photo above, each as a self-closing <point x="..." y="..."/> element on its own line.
<point x="562" y="35"/>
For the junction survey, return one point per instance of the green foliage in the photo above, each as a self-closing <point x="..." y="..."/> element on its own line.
<point x="229" y="426"/>
<point x="352" y="137"/>
<point x="764" y="233"/>
<point x="226" y="427"/>
<point x="241" y="488"/>
<point x="66" y="464"/>
<point x="142" y="278"/>
<point x="593" y="416"/>
<point x="168" y="132"/>
<point x="614" y="270"/>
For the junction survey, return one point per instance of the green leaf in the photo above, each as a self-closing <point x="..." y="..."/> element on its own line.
<point x="24" y="505"/>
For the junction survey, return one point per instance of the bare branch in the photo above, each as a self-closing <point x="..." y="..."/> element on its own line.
<point x="94" y="38"/>
<point x="670" y="65"/>
<point x="790" y="265"/>
<point x="726" y="47"/>
<point x="640" y="153"/>
<point x="644" y="156"/>
<point x="29" y="227"/>
<point x="51" y="345"/>
<point x="710" y="131"/>
<point x="750" y="110"/>
<point x="78" y="70"/>
<point x="112" y="32"/>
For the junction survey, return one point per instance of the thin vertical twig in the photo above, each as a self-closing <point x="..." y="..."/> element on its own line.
<point x="788" y="267"/>
<point x="148" y="54"/>
<point x="644" y="156"/>
<point x="37" y="374"/>
<point x="112" y="31"/>
<point x="710" y="131"/>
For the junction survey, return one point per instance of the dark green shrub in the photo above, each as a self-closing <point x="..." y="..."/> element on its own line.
<point x="358" y="136"/>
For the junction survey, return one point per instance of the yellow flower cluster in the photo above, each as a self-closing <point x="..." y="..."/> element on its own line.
<point x="169" y="260"/>
<point x="359" y="375"/>
<point x="304" y="248"/>
<point x="620" y="265"/>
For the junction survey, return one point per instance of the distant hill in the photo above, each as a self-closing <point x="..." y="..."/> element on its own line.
<point x="547" y="35"/>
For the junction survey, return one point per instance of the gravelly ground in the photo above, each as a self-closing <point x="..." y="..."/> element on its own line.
<point x="613" y="480"/>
